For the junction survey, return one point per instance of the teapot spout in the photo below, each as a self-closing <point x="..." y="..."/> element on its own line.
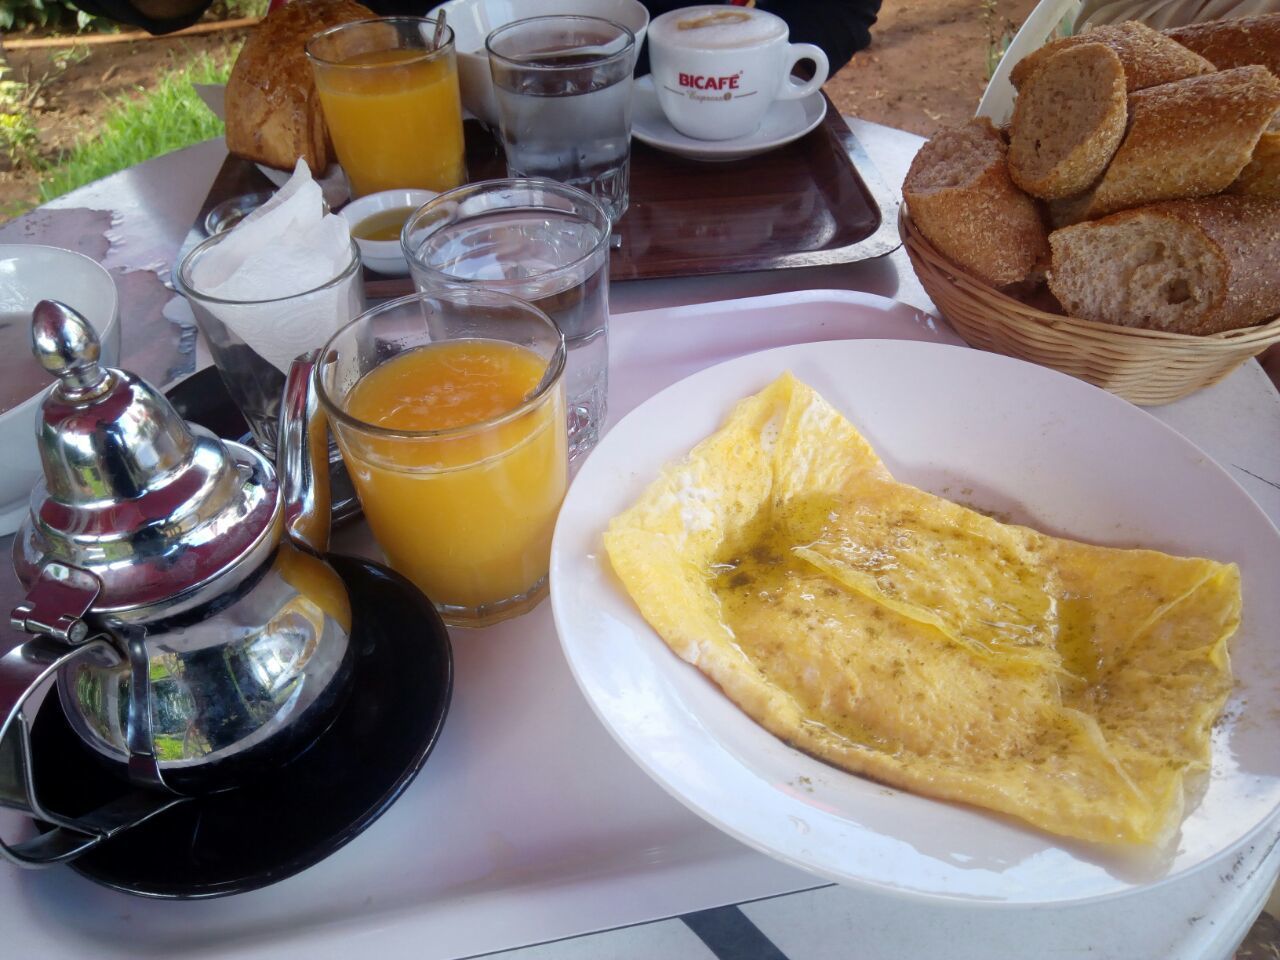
<point x="303" y="458"/>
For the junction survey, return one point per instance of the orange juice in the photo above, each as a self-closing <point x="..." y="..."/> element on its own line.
<point x="466" y="513"/>
<point x="395" y="117"/>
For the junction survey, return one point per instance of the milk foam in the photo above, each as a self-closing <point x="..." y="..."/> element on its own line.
<point x="716" y="28"/>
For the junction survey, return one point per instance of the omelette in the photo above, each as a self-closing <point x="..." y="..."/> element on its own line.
<point x="903" y="637"/>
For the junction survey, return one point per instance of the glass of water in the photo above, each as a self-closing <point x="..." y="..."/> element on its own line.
<point x="563" y="87"/>
<point x="539" y="241"/>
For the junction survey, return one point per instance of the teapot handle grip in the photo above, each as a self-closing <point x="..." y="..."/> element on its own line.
<point x="23" y="670"/>
<point x="302" y="453"/>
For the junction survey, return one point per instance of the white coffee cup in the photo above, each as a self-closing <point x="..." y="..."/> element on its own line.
<point x="718" y="69"/>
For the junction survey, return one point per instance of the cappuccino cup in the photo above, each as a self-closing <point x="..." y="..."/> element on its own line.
<point x="718" y="69"/>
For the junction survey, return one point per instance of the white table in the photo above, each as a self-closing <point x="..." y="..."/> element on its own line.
<point x="143" y="215"/>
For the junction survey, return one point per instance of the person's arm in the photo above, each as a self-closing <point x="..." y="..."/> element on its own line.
<point x="154" y="16"/>
<point x="840" y="27"/>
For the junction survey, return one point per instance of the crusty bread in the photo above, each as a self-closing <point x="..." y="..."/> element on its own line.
<point x="959" y="194"/>
<point x="1185" y="266"/>
<point x="1186" y="139"/>
<point x="1149" y="57"/>
<point x="1261" y="176"/>
<point x="273" y="110"/>
<point x="1068" y="121"/>
<point x="1234" y="43"/>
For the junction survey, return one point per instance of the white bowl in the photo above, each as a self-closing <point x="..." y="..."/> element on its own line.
<point x="30" y="273"/>
<point x="383" y="256"/>
<point x="474" y="20"/>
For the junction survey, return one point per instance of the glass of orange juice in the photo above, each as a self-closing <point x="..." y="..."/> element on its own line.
<point x="391" y="103"/>
<point x="449" y="411"/>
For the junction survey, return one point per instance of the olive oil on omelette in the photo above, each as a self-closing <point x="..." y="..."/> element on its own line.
<point x="898" y="635"/>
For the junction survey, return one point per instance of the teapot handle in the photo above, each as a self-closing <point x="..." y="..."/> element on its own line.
<point x="23" y="670"/>
<point x="302" y="453"/>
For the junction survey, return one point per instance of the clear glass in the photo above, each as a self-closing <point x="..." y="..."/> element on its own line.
<point x="543" y="242"/>
<point x="466" y="512"/>
<point x="563" y="88"/>
<point x="288" y="326"/>
<point x="391" y="103"/>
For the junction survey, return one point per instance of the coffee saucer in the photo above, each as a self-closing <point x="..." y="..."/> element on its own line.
<point x="302" y="812"/>
<point x="785" y="121"/>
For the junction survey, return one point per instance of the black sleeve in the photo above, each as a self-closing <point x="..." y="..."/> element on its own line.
<point x="154" y="16"/>
<point x="840" y="27"/>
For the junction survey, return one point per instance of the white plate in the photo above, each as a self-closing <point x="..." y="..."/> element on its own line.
<point x="1042" y="447"/>
<point x="785" y="121"/>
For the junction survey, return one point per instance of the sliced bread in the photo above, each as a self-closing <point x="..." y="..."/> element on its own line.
<point x="273" y="109"/>
<point x="1149" y="57"/>
<point x="1068" y="121"/>
<point x="1186" y="266"/>
<point x="960" y="196"/>
<point x="1234" y="43"/>
<point x="1186" y="139"/>
<point x="1261" y="176"/>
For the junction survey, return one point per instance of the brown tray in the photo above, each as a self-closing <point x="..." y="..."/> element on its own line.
<point x="814" y="202"/>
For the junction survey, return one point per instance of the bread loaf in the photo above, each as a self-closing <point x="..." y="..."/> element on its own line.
<point x="1068" y="121"/>
<point x="273" y="110"/>
<point x="1186" y="139"/>
<point x="959" y="194"/>
<point x="1148" y="56"/>
<point x="1185" y="266"/>
<point x="1234" y="43"/>
<point x="1261" y="176"/>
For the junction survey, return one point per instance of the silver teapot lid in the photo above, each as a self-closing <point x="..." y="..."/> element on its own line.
<point x="149" y="504"/>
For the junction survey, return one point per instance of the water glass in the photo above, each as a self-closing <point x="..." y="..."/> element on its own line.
<point x="563" y="88"/>
<point x="543" y="242"/>
<point x="391" y="103"/>
<point x="461" y="497"/>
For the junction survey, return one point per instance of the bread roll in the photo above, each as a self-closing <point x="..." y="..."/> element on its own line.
<point x="1149" y="57"/>
<point x="960" y="196"/>
<point x="1186" y="266"/>
<point x="1234" y="43"/>
<point x="1186" y="139"/>
<point x="1261" y="176"/>
<point x="1068" y="121"/>
<point x="273" y="110"/>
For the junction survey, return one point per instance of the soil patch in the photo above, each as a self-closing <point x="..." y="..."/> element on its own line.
<point x="926" y="67"/>
<point x="78" y="85"/>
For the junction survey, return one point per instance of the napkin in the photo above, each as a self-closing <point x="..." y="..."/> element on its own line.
<point x="271" y="263"/>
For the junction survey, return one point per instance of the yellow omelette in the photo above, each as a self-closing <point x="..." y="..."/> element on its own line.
<point x="901" y="636"/>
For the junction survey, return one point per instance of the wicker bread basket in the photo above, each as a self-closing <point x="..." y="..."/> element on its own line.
<point x="1146" y="367"/>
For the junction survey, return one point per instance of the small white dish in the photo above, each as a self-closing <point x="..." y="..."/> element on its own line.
<point x="473" y="20"/>
<point x="383" y="256"/>
<point x="30" y="273"/>
<point x="785" y="121"/>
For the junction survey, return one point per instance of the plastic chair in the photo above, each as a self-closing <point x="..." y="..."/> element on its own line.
<point x="1040" y="26"/>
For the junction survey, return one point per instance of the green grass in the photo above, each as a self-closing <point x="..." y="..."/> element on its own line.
<point x="166" y="118"/>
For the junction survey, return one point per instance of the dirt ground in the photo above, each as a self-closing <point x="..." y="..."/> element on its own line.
<point x="79" y="85"/>
<point x="926" y="68"/>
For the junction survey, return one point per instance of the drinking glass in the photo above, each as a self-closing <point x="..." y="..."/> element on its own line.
<point x="543" y="242"/>
<point x="391" y="103"/>
<point x="563" y="88"/>
<point x="282" y="327"/>
<point x="466" y="510"/>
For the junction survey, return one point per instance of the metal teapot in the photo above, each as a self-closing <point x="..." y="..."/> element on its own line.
<point x="175" y="590"/>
